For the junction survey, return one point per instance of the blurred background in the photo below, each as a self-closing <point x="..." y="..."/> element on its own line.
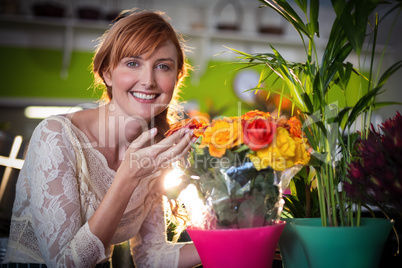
<point x="46" y="49"/>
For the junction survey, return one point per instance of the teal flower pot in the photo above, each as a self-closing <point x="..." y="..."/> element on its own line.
<point x="346" y="247"/>
<point x="291" y="248"/>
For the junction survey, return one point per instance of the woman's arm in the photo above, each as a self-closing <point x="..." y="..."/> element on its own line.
<point x="48" y="190"/>
<point x="150" y="248"/>
<point x="189" y="256"/>
<point x="104" y="222"/>
<point x="51" y="184"/>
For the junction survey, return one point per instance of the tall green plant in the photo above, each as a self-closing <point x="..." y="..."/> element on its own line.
<point x="310" y="82"/>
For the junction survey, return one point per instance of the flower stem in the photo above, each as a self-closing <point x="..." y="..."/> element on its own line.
<point x="359" y="212"/>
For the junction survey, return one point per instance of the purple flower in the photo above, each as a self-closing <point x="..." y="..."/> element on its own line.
<point x="375" y="175"/>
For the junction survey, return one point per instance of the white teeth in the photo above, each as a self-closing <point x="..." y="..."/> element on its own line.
<point x="144" y="96"/>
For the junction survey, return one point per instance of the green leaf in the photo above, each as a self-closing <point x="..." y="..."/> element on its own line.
<point x="389" y="72"/>
<point x="302" y="4"/>
<point x="362" y="105"/>
<point x="287" y="12"/>
<point x="242" y="148"/>
<point x="339" y="119"/>
<point x="307" y="103"/>
<point x="251" y="211"/>
<point x="311" y="139"/>
<point x="314" y="8"/>
<point x="265" y="73"/>
<point x="344" y="72"/>
<point x="290" y="207"/>
<point x="378" y="105"/>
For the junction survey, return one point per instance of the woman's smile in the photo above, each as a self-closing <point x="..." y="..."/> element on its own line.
<point x="144" y="97"/>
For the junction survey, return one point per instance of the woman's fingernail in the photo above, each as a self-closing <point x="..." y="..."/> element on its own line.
<point x="153" y="131"/>
<point x="194" y="139"/>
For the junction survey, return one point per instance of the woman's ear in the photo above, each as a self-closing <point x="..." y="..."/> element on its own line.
<point x="107" y="78"/>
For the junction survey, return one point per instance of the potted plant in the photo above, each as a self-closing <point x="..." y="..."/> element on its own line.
<point x="237" y="169"/>
<point x="329" y="124"/>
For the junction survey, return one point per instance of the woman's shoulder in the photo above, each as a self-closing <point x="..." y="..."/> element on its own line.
<point x="53" y="122"/>
<point x="57" y="127"/>
<point x="71" y="121"/>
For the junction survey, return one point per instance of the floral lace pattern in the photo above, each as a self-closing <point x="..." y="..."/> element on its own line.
<point x="60" y="186"/>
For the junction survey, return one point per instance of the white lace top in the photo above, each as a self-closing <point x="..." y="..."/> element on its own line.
<point x="60" y="186"/>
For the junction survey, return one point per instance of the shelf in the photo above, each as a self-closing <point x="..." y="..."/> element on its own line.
<point x="207" y="41"/>
<point x="14" y="20"/>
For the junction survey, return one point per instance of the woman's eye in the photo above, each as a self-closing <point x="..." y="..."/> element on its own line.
<point x="163" y="66"/>
<point x="132" y="64"/>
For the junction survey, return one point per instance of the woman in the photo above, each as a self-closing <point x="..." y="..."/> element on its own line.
<point x="91" y="179"/>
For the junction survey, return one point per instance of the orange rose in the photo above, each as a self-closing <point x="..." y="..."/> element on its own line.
<point x="255" y="114"/>
<point x="295" y="127"/>
<point x="189" y="123"/>
<point x="222" y="134"/>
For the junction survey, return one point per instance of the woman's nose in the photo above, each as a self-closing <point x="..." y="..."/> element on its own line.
<point x="147" y="78"/>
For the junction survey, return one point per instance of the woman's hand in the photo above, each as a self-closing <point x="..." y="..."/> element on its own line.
<point x="145" y="156"/>
<point x="142" y="159"/>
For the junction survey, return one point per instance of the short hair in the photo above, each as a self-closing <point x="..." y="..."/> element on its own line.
<point x="135" y="33"/>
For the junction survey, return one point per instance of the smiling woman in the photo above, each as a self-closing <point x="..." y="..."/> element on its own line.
<point x="94" y="178"/>
<point x="144" y="84"/>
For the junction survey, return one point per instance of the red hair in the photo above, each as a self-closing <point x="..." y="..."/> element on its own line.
<point x="137" y="33"/>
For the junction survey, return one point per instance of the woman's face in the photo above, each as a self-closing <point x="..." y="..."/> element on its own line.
<point x="144" y="87"/>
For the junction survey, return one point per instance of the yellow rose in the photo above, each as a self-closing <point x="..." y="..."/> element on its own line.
<point x="269" y="157"/>
<point x="302" y="156"/>
<point x="279" y="155"/>
<point x="284" y="142"/>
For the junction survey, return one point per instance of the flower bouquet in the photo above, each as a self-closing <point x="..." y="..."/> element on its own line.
<point x="238" y="167"/>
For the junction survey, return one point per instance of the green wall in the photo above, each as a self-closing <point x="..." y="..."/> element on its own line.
<point x="35" y="73"/>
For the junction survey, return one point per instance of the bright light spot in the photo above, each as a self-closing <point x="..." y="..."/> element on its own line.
<point x="173" y="179"/>
<point x="12" y="160"/>
<point x="193" y="204"/>
<point x="41" y="112"/>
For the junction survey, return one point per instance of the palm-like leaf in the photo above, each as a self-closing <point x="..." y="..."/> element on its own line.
<point x="309" y="83"/>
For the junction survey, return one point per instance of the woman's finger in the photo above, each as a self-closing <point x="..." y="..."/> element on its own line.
<point x="182" y="154"/>
<point x="175" y="138"/>
<point x="177" y="151"/>
<point x="143" y="139"/>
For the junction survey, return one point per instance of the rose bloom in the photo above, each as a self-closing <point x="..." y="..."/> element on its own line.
<point x="258" y="133"/>
<point x="201" y="117"/>
<point x="295" y="127"/>
<point x="285" y="144"/>
<point x="269" y="157"/>
<point x="302" y="156"/>
<point x="189" y="123"/>
<point x="279" y="155"/>
<point x="255" y="114"/>
<point x="222" y="134"/>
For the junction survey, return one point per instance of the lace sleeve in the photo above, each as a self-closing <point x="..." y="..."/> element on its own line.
<point x="150" y="247"/>
<point x="64" y="239"/>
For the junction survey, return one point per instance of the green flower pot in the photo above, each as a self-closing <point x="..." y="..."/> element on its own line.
<point x="291" y="248"/>
<point x="344" y="247"/>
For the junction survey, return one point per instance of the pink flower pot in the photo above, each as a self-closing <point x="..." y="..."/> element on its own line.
<point x="251" y="247"/>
